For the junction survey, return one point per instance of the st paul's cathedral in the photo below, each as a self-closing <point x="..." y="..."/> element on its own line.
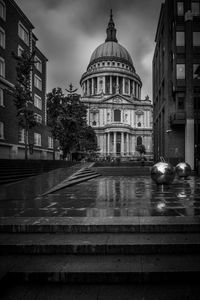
<point x="112" y="92"/>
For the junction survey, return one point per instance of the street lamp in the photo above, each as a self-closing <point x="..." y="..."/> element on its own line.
<point x="168" y="131"/>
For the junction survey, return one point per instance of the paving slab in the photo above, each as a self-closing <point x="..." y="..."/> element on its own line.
<point x="109" y="268"/>
<point x="100" y="224"/>
<point x="99" y="243"/>
<point x="101" y="292"/>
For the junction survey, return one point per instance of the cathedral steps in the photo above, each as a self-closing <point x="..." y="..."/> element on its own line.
<point x="99" y="243"/>
<point x="84" y="174"/>
<point x="90" y="250"/>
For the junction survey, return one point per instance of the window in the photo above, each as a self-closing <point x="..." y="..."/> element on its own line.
<point x="196" y="71"/>
<point x="2" y="10"/>
<point x="180" y="101"/>
<point x="196" y="38"/>
<point x="23" y="33"/>
<point x="117" y="115"/>
<point x="94" y="118"/>
<point x="38" y="64"/>
<point x="101" y="84"/>
<point x="180" y="71"/>
<point x="1" y="130"/>
<point x="37" y="139"/>
<point x="21" y="135"/>
<point x="180" y="38"/>
<point x="37" y="101"/>
<point x="38" y="118"/>
<point x="2" y="38"/>
<point x="2" y="67"/>
<point x="20" y="50"/>
<point x="180" y="8"/>
<point x="1" y="97"/>
<point x="139" y="140"/>
<point x="50" y="142"/>
<point x="38" y="82"/>
<point x="195" y="7"/>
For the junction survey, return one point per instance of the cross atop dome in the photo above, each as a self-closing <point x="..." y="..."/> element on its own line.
<point x="111" y="31"/>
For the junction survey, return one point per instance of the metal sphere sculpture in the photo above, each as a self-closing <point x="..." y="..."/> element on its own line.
<point x="163" y="173"/>
<point x="183" y="169"/>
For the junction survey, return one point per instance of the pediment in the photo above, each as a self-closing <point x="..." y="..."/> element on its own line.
<point x="117" y="99"/>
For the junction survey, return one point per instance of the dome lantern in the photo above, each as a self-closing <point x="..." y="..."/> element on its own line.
<point x="111" y="31"/>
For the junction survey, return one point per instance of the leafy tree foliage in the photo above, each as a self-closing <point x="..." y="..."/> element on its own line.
<point x="22" y="93"/>
<point x="67" y="119"/>
<point x="141" y="149"/>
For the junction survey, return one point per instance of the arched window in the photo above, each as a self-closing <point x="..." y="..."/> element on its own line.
<point x="117" y="115"/>
<point x="139" y="140"/>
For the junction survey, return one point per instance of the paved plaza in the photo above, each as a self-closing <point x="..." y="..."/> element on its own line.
<point x="104" y="196"/>
<point x="102" y="234"/>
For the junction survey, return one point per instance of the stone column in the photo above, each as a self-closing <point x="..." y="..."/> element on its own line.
<point x="111" y="85"/>
<point x="133" y="144"/>
<point x="108" y="143"/>
<point x="123" y="85"/>
<point x="129" y="86"/>
<point x="127" y="143"/>
<point x="88" y="88"/>
<point x="117" y="83"/>
<point x="104" y="84"/>
<point x="122" y="143"/>
<point x="133" y="88"/>
<point x="92" y="86"/>
<point x="85" y="88"/>
<point x="115" y="141"/>
<point x="104" y="144"/>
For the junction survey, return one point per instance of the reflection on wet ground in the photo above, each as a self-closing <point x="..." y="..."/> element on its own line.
<point x="110" y="196"/>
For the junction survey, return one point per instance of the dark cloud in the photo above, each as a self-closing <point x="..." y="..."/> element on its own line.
<point x="70" y="30"/>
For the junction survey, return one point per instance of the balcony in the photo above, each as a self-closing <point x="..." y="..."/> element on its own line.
<point x="178" y="118"/>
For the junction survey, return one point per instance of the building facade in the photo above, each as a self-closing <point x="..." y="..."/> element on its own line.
<point x="16" y="35"/>
<point x="112" y="92"/>
<point x="176" y="82"/>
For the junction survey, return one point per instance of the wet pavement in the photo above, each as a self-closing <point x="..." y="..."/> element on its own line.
<point x="106" y="196"/>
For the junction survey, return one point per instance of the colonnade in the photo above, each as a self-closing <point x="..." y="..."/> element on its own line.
<point x="119" y="143"/>
<point x="110" y="84"/>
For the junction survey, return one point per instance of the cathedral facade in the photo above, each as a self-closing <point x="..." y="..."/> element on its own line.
<point x="112" y="93"/>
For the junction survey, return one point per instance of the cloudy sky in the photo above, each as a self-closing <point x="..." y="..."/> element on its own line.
<point x="70" y="30"/>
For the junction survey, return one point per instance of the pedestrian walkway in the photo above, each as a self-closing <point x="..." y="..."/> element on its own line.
<point x="98" y="232"/>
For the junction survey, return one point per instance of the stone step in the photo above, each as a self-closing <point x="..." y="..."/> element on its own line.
<point x="12" y="178"/>
<point x="100" y="224"/>
<point x="100" y="268"/>
<point x="100" y="243"/>
<point x="19" y="175"/>
<point x="71" y="181"/>
<point x="82" y="175"/>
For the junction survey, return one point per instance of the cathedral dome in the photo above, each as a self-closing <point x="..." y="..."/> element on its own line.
<point x="111" y="50"/>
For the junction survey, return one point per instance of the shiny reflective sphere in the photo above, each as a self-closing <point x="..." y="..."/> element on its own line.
<point x="183" y="169"/>
<point x="163" y="173"/>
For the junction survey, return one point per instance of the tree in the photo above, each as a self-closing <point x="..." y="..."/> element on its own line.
<point x="141" y="149"/>
<point x="67" y="119"/>
<point x="22" y="94"/>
